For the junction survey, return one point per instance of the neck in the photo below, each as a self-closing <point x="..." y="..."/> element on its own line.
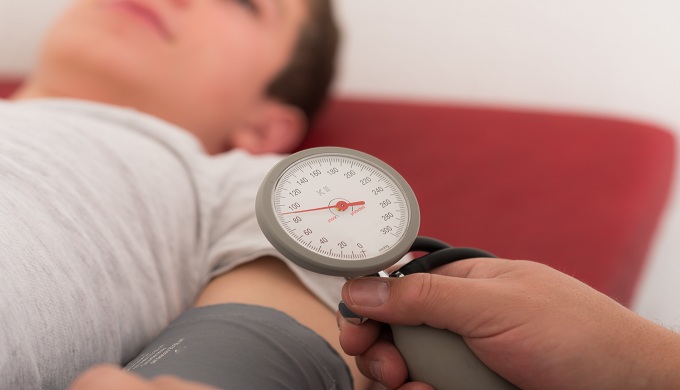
<point x="33" y="89"/>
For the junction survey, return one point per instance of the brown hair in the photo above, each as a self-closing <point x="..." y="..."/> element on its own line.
<point x="306" y="80"/>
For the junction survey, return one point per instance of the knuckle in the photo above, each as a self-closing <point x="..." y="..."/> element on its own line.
<point x="418" y="292"/>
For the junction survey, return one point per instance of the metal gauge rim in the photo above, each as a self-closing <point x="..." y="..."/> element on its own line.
<point x="296" y="252"/>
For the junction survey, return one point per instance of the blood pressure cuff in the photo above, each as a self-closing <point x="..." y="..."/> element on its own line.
<point x="243" y="347"/>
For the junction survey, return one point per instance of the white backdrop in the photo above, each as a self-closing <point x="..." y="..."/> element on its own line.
<point x="619" y="57"/>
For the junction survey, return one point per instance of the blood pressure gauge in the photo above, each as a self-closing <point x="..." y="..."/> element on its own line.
<point x="342" y="212"/>
<point x="338" y="211"/>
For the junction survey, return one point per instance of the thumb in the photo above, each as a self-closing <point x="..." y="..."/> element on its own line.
<point x="415" y="299"/>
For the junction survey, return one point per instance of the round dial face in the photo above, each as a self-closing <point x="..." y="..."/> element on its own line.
<point x="338" y="211"/>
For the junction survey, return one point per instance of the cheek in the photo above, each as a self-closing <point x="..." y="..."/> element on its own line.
<point x="230" y="68"/>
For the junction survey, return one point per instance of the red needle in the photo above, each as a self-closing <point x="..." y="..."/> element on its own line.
<point x="341" y="206"/>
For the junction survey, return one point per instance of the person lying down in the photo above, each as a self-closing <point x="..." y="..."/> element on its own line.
<point x="129" y="163"/>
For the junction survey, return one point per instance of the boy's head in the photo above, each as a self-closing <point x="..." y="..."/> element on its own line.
<point x="236" y="73"/>
<point x="305" y="81"/>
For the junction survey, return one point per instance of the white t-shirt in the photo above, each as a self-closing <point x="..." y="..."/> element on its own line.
<point x="111" y="221"/>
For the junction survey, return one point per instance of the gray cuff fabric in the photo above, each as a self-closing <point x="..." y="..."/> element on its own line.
<point x="235" y="346"/>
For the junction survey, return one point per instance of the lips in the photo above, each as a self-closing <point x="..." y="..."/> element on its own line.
<point x="145" y="14"/>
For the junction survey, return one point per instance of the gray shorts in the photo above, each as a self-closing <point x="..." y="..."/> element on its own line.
<point x="234" y="347"/>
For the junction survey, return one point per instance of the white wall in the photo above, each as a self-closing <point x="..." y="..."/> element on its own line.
<point x="22" y="24"/>
<point x="617" y="57"/>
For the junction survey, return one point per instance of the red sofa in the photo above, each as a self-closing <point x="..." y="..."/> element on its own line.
<point x="581" y="193"/>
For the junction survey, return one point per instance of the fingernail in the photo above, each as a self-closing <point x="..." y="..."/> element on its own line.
<point x="349" y="315"/>
<point x="368" y="292"/>
<point x="352" y="320"/>
<point x="376" y="370"/>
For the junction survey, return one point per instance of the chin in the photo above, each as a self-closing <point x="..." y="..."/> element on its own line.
<point x="104" y="45"/>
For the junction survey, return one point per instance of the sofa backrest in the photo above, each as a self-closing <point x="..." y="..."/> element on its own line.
<point x="7" y="87"/>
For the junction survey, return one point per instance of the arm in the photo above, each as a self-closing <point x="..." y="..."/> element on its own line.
<point x="106" y="377"/>
<point x="268" y="282"/>
<point x="264" y="282"/>
<point x="533" y="325"/>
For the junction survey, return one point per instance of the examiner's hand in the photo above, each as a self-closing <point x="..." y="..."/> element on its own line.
<point x="535" y="326"/>
<point x="108" y="377"/>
